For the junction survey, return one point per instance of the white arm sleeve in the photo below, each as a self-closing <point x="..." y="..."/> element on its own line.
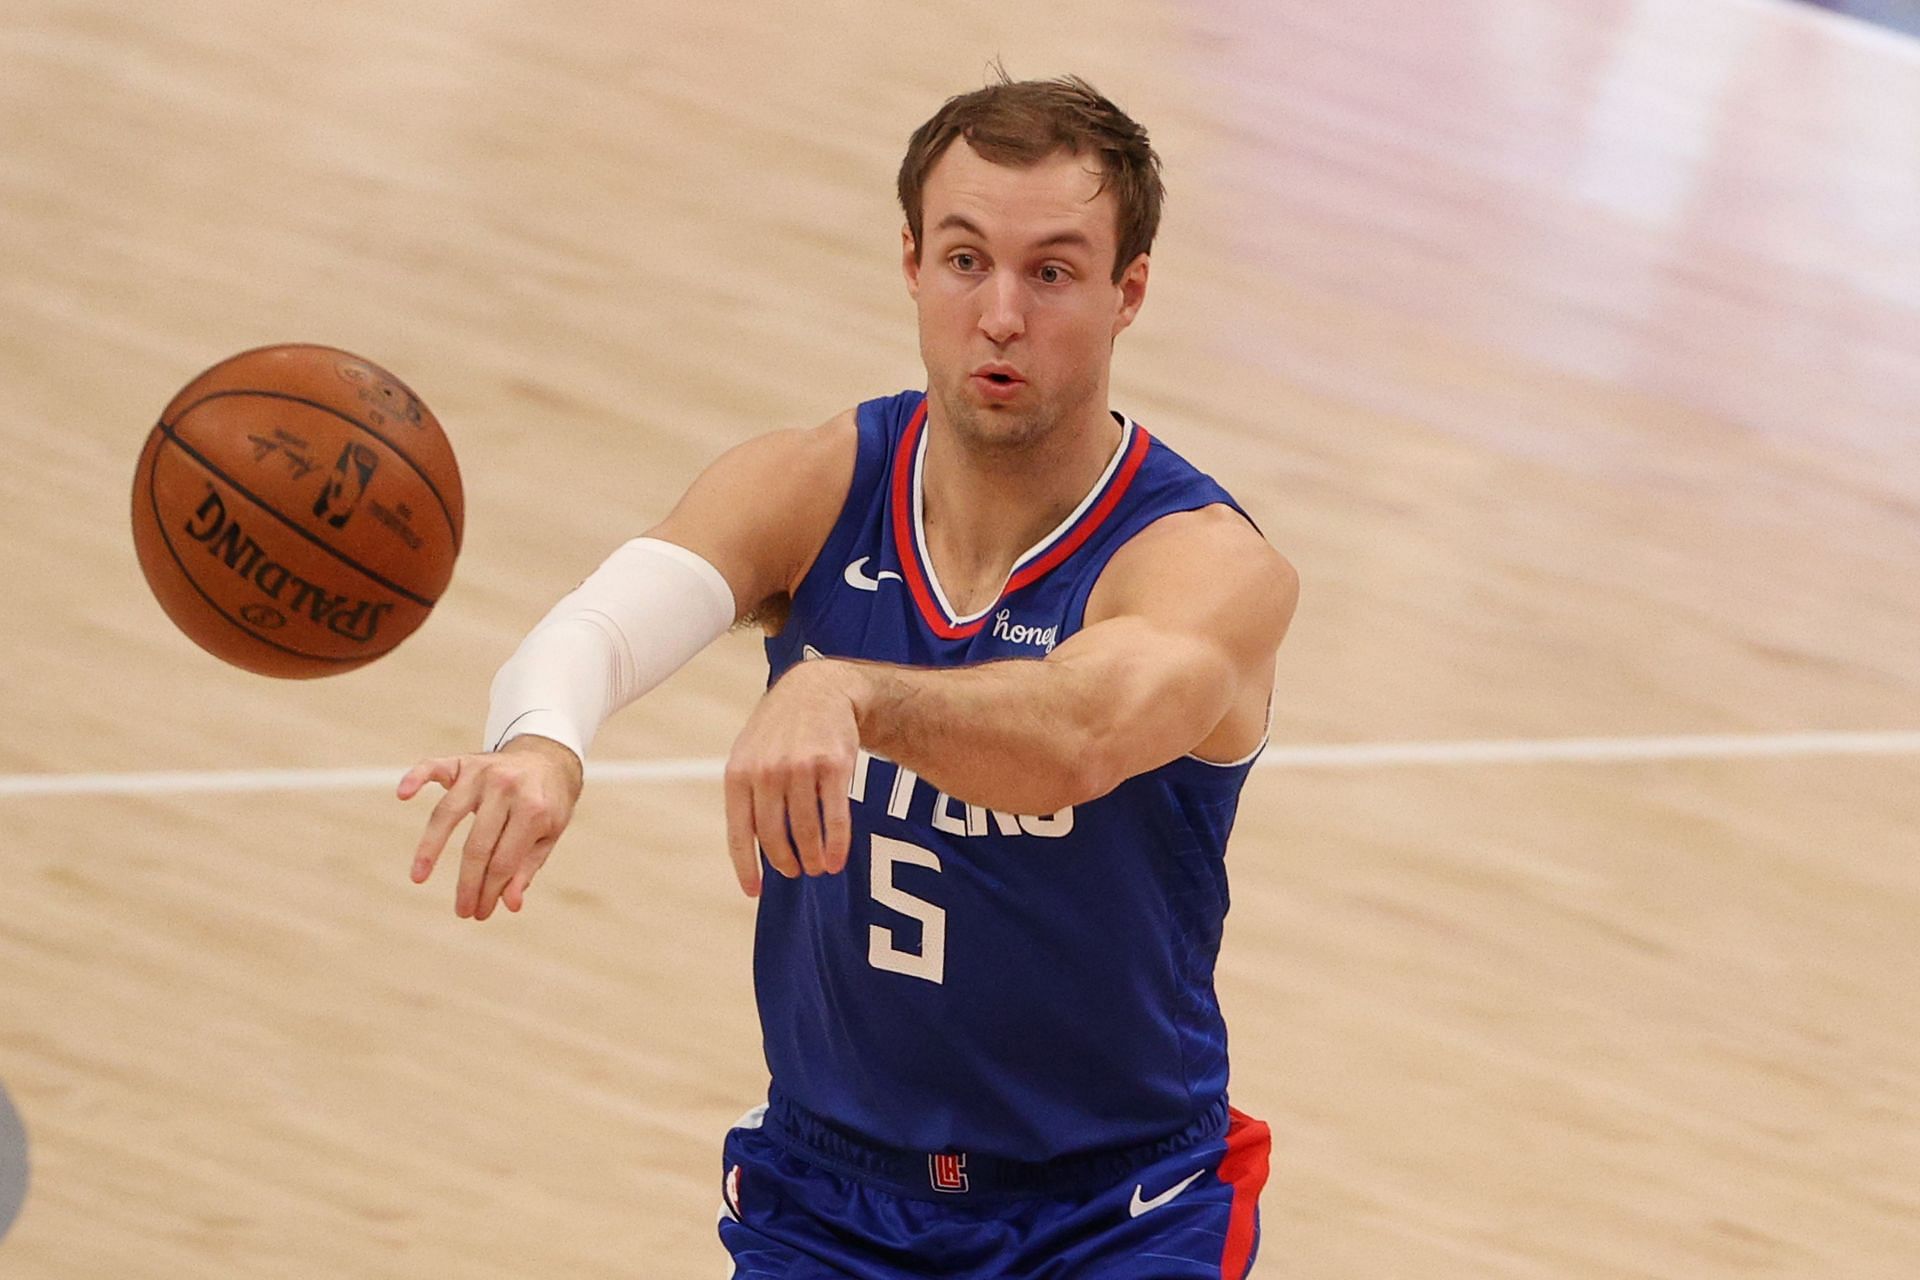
<point x="637" y="619"/>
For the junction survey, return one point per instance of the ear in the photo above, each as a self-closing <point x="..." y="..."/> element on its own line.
<point x="910" y="261"/>
<point x="1133" y="292"/>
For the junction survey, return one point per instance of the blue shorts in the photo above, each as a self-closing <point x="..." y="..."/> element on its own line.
<point x="800" y="1204"/>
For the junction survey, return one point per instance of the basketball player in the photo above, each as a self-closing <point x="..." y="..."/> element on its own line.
<point x="1021" y="660"/>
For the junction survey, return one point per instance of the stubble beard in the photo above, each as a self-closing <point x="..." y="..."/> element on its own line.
<point x="1007" y="432"/>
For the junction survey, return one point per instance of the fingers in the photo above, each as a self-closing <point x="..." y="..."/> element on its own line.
<point x="510" y="855"/>
<point x="519" y="812"/>
<point x="444" y="770"/>
<point x="836" y="813"/>
<point x="453" y="806"/>
<point x="515" y="894"/>
<point x="770" y="824"/>
<point x="798" y="813"/>
<point x="740" y="846"/>
<point x="488" y="822"/>
<point x="803" y="821"/>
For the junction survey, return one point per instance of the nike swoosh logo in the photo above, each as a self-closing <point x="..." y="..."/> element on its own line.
<point x="856" y="575"/>
<point x="1139" y="1206"/>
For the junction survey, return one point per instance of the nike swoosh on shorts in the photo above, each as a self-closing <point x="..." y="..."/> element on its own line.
<point x="1139" y="1206"/>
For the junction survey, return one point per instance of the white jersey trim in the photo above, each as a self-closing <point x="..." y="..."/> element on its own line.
<point x="1037" y="549"/>
<point x="1247" y="759"/>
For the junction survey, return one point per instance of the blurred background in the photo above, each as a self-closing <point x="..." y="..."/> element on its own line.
<point x="1570" y="350"/>
<point x="1901" y="15"/>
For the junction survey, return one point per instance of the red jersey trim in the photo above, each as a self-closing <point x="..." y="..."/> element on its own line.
<point x="907" y="548"/>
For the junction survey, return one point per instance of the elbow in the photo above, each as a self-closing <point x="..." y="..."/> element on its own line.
<point x="1134" y="729"/>
<point x="1074" y="770"/>
<point x="1092" y="769"/>
<point x="1099" y="744"/>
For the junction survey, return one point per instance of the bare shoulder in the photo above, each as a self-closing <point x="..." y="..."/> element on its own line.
<point x="1209" y="568"/>
<point x="761" y="510"/>
<point x="803" y="465"/>
<point x="820" y="463"/>
<point x="826" y="452"/>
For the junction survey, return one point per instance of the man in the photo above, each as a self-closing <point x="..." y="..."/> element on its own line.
<point x="997" y="799"/>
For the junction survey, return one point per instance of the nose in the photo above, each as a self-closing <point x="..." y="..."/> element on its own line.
<point x="1002" y="312"/>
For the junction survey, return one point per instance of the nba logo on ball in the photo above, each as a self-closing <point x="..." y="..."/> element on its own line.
<point x="349" y="480"/>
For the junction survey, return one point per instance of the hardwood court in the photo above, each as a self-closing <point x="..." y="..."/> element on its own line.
<point x="1570" y="350"/>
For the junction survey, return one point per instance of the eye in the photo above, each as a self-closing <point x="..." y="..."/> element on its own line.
<point x="1054" y="273"/>
<point x="964" y="261"/>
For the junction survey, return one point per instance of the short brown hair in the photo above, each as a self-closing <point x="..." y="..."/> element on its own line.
<point x="1022" y="122"/>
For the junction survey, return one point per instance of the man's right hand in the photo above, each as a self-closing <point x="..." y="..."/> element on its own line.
<point x="521" y="798"/>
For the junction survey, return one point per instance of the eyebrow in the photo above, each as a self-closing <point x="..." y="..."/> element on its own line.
<point x="1057" y="238"/>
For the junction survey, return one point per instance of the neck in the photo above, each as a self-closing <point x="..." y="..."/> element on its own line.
<point x="985" y="504"/>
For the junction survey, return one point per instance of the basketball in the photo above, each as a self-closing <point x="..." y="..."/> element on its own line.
<point x="297" y="511"/>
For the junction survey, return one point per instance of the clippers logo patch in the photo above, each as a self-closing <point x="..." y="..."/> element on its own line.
<point x="949" y="1171"/>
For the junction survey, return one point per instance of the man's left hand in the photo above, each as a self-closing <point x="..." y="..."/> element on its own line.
<point x="788" y="773"/>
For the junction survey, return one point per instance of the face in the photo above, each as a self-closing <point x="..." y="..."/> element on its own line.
<point x="1014" y="285"/>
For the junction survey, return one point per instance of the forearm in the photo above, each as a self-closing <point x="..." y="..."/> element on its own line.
<point x="1006" y="735"/>
<point x="1030" y="736"/>
<point x="635" y="620"/>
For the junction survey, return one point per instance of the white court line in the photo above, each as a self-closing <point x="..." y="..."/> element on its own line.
<point x="1358" y="755"/>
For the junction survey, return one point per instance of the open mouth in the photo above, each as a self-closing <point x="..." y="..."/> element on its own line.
<point x="999" y="378"/>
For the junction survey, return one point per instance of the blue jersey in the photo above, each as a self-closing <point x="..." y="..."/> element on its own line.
<point x="1023" y="986"/>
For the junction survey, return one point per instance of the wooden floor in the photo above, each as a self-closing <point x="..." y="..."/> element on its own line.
<point x="1571" y="349"/>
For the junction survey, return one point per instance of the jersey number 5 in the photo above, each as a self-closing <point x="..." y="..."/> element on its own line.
<point x="931" y="961"/>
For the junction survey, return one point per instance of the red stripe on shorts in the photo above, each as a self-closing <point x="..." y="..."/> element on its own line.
<point x="1244" y="1168"/>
